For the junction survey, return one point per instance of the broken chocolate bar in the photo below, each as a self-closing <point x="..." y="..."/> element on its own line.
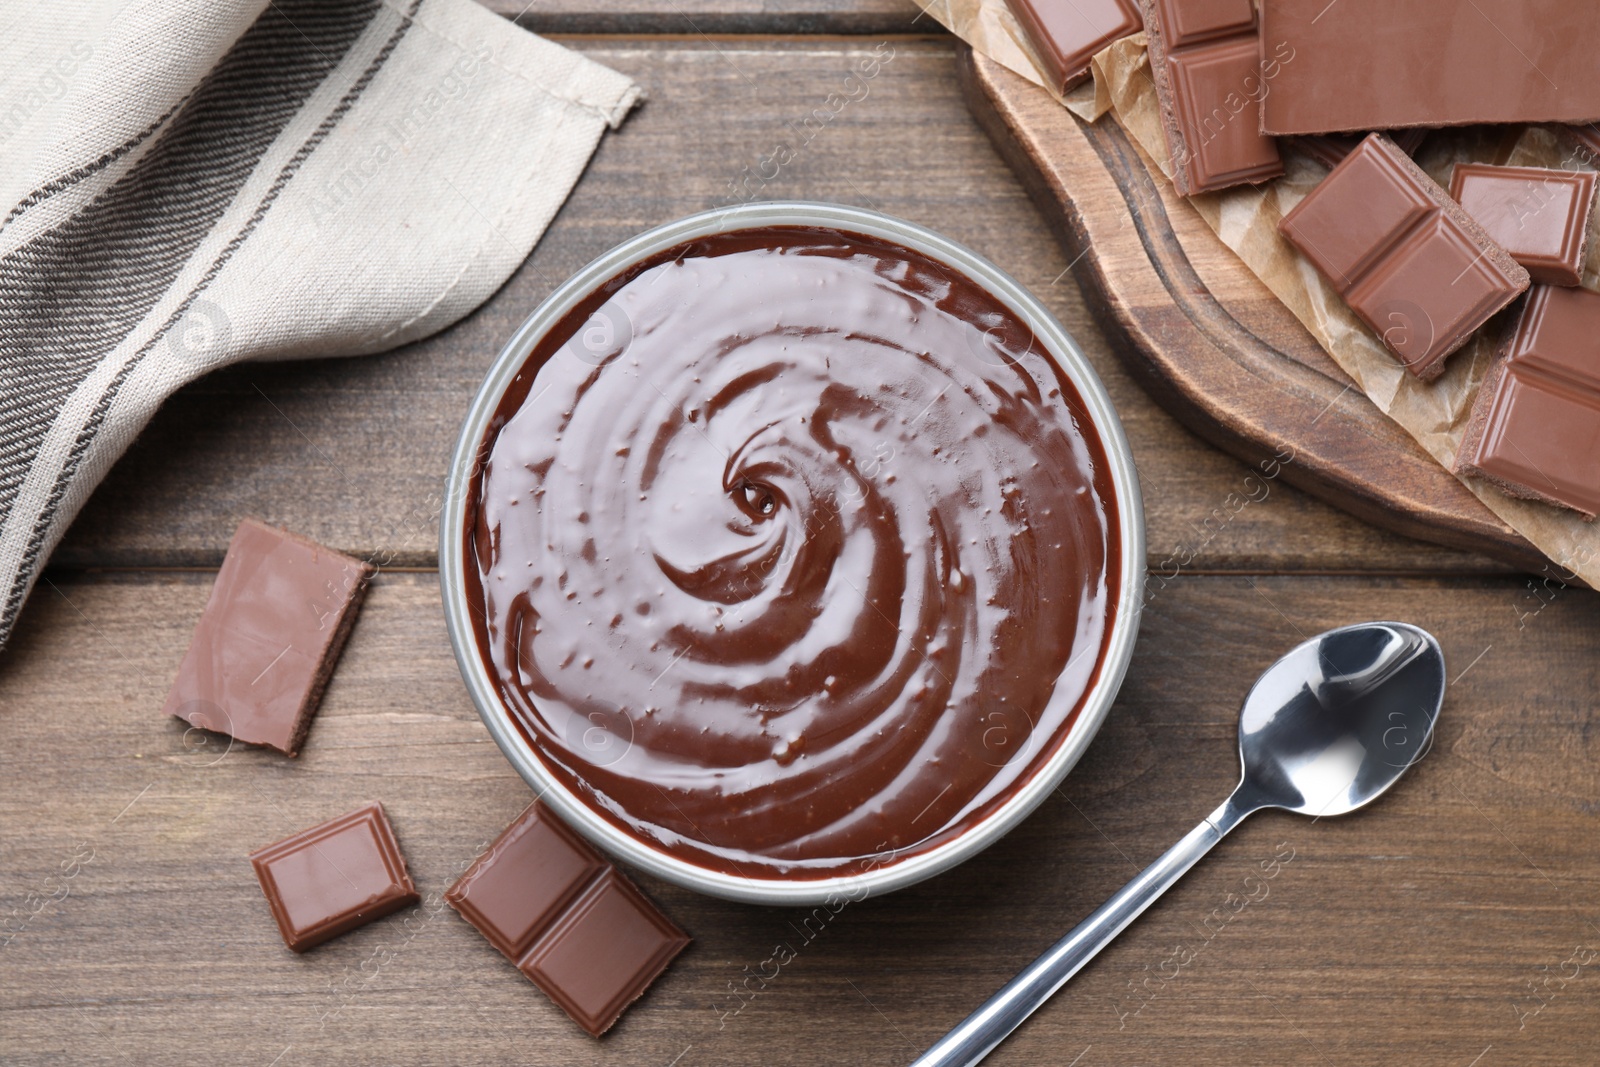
<point x="571" y="922"/>
<point x="334" y="877"/>
<point x="1540" y="216"/>
<point x="1065" y="34"/>
<point x="1405" y="257"/>
<point x="1391" y="64"/>
<point x="1210" y="79"/>
<point x="1535" y="428"/>
<point x="267" y="640"/>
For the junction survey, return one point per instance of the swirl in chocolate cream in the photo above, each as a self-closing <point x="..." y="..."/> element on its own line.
<point x="792" y="552"/>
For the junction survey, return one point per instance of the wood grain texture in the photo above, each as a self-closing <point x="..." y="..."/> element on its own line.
<point x="352" y="452"/>
<point x="1435" y="929"/>
<point x="717" y="16"/>
<point x="134" y="930"/>
<point x="1202" y="333"/>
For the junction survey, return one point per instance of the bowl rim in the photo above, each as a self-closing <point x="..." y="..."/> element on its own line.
<point x="1059" y="346"/>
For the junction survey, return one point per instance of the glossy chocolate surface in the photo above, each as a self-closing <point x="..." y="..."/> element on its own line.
<point x="1536" y="427"/>
<point x="792" y="553"/>
<point x="1210" y="77"/>
<point x="1389" y="64"/>
<point x="1065" y="34"/>
<point x="573" y="924"/>
<point x="334" y="877"/>
<point x="267" y="640"/>
<point x="529" y="876"/>
<point x="1540" y="216"/>
<point x="603" y="952"/>
<point x="1404" y="256"/>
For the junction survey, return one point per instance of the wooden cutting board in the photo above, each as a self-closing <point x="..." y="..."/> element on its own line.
<point x="1205" y="338"/>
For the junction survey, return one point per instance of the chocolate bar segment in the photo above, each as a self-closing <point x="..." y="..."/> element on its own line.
<point x="531" y="874"/>
<point x="1535" y="427"/>
<point x="569" y="920"/>
<point x="334" y="877"/>
<point x="603" y="952"/>
<point x="1210" y="79"/>
<point x="1392" y="64"/>
<point x="1065" y="34"/>
<point x="266" y="643"/>
<point x="1405" y="257"/>
<point x="1540" y="216"/>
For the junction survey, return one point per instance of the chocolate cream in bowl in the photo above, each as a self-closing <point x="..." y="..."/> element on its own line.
<point x="791" y="552"/>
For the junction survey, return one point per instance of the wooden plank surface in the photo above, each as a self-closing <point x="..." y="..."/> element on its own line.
<point x="1454" y="923"/>
<point x="1409" y="933"/>
<point x="353" y="452"/>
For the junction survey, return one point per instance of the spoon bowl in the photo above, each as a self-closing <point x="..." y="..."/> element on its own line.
<point x="1338" y="720"/>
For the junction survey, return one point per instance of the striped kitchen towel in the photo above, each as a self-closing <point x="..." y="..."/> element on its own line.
<point x="189" y="183"/>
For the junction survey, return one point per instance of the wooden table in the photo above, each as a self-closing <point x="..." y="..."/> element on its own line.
<point x="1453" y="924"/>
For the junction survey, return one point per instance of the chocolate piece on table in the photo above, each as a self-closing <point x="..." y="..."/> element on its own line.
<point x="1392" y="64"/>
<point x="1065" y="34"/>
<point x="268" y="638"/>
<point x="1535" y="428"/>
<point x="569" y="920"/>
<point x="1540" y="216"/>
<point x="1210" y="78"/>
<point x="334" y="877"/>
<point x="1404" y="256"/>
<point x="1329" y="149"/>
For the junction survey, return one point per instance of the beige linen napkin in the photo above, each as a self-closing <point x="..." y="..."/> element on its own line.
<point x="185" y="185"/>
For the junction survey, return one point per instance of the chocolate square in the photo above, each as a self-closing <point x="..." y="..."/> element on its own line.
<point x="334" y="877"/>
<point x="603" y="953"/>
<point x="532" y="873"/>
<point x="1064" y="37"/>
<point x="1211" y="106"/>
<point x="1187" y="22"/>
<point x="1435" y="258"/>
<point x="1350" y="219"/>
<point x="571" y="922"/>
<point x="1538" y="215"/>
<point x="266" y="643"/>
<point x="1535" y="427"/>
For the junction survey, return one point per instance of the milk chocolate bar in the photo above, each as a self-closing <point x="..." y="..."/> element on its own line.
<point x="569" y="920"/>
<point x="1535" y="428"/>
<point x="268" y="638"/>
<point x="1392" y="64"/>
<point x="334" y="877"/>
<point x="1065" y="34"/>
<point x="1329" y="149"/>
<point x="1540" y="216"/>
<point x="1405" y="257"/>
<point x="1210" y="78"/>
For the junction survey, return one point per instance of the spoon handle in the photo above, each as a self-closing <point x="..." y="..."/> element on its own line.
<point x="985" y="1028"/>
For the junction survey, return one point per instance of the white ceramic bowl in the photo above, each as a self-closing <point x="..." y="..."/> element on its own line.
<point x="1059" y="346"/>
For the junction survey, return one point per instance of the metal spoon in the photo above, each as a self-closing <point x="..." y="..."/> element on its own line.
<point x="1328" y="728"/>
